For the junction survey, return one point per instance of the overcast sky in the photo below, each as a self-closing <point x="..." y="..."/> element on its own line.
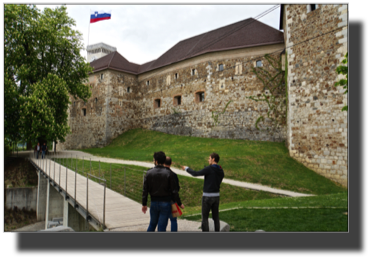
<point x="142" y="33"/>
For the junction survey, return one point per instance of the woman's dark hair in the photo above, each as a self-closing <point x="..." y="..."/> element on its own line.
<point x="215" y="157"/>
<point x="160" y="157"/>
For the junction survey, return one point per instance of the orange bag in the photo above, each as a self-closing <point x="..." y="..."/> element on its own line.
<point x="176" y="211"/>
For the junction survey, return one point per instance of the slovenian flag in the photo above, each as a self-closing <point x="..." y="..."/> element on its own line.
<point x="99" y="16"/>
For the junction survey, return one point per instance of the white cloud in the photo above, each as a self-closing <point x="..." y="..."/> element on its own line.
<point x="142" y="33"/>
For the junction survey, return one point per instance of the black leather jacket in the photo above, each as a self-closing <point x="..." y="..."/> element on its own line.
<point x="160" y="183"/>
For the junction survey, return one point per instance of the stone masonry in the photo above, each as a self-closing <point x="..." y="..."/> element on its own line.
<point x="122" y="101"/>
<point x="180" y="98"/>
<point x="316" y="126"/>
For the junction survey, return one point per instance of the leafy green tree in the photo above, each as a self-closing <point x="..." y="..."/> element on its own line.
<point x="343" y="82"/>
<point x="42" y="66"/>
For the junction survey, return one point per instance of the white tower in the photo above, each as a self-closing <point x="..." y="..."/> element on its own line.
<point x="97" y="51"/>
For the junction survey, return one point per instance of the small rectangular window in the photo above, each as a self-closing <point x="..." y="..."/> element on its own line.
<point x="147" y="83"/>
<point x="176" y="76"/>
<point x="200" y="97"/>
<point x="312" y="7"/>
<point x="177" y="100"/>
<point x="259" y="63"/>
<point x="128" y="89"/>
<point x="157" y="103"/>
<point x="221" y="67"/>
<point x="101" y="76"/>
<point x="84" y="112"/>
<point x="193" y="72"/>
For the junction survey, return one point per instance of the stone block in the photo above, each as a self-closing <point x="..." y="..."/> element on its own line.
<point x="224" y="227"/>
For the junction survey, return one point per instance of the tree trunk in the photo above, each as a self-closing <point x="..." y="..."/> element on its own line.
<point x="29" y="145"/>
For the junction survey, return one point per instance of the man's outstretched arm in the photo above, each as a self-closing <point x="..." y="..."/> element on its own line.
<point x="194" y="173"/>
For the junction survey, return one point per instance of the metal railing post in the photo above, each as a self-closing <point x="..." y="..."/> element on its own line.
<point x="49" y="171"/>
<point x="90" y="167"/>
<point x="104" y="206"/>
<point x="83" y="166"/>
<point x="54" y="169"/>
<point x="110" y="175"/>
<point x="99" y="168"/>
<point x="124" y="182"/>
<point x="71" y="160"/>
<point x="60" y="175"/>
<point x="75" y="188"/>
<point x="87" y="198"/>
<point x="66" y="185"/>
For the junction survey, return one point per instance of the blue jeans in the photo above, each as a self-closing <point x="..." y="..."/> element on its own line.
<point x="173" y="223"/>
<point x="159" y="215"/>
<point x="43" y="154"/>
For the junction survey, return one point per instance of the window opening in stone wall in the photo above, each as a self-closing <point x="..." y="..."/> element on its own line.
<point x="259" y="63"/>
<point x="84" y="112"/>
<point x="101" y="76"/>
<point x="147" y="83"/>
<point x="193" y="72"/>
<point x="157" y="103"/>
<point x="96" y="100"/>
<point x="128" y="89"/>
<point x="221" y="67"/>
<point x="177" y="100"/>
<point x="200" y="97"/>
<point x="176" y="76"/>
<point x="312" y="7"/>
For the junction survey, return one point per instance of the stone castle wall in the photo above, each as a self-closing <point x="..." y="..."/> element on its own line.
<point x="118" y="108"/>
<point x="317" y="128"/>
<point x="316" y="131"/>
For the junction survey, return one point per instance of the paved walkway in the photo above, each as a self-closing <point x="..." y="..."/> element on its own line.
<point x="253" y="186"/>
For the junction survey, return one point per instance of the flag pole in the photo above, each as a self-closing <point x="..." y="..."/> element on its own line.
<point x="88" y="41"/>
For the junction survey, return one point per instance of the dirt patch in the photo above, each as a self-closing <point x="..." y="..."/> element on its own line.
<point x="17" y="218"/>
<point x="18" y="172"/>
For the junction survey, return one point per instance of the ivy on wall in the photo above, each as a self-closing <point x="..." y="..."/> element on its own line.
<point x="215" y="114"/>
<point x="273" y="94"/>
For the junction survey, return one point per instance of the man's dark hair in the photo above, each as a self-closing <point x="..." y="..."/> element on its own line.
<point x="168" y="161"/>
<point x="160" y="157"/>
<point x="215" y="157"/>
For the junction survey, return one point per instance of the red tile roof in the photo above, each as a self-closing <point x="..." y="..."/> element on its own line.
<point x="243" y="34"/>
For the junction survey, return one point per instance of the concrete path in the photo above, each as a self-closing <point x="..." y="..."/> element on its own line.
<point x="80" y="154"/>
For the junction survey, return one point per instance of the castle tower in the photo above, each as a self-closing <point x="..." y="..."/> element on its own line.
<point x="97" y="51"/>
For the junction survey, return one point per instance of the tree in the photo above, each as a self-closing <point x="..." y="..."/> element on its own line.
<point x="42" y="67"/>
<point x="343" y="82"/>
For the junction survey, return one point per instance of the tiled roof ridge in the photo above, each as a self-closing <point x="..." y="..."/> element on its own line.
<point x="215" y="30"/>
<point x="111" y="59"/>
<point x="193" y="37"/>
<point x="249" y="21"/>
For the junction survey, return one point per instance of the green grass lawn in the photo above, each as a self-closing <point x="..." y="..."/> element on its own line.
<point x="128" y="181"/>
<point x="318" y="214"/>
<point x="266" y="163"/>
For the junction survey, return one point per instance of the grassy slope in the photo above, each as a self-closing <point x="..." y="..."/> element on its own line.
<point x="323" y="213"/>
<point x="266" y="163"/>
